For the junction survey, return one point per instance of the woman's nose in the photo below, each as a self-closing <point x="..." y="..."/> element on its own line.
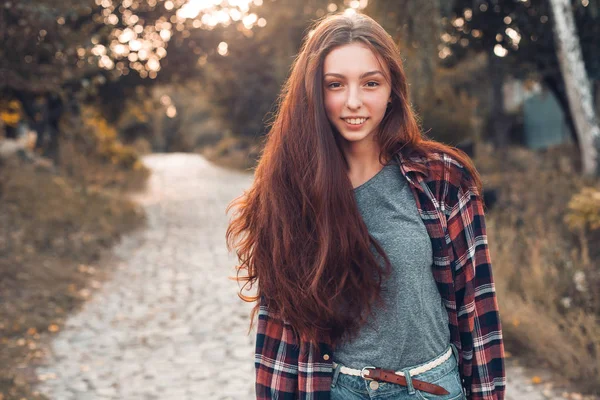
<point x="353" y="100"/>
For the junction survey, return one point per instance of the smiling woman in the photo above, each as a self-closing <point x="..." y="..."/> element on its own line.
<point x="366" y="239"/>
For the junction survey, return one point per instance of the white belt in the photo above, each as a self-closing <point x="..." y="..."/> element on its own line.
<point x="412" y="372"/>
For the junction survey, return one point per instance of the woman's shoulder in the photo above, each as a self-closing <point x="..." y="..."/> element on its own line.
<point x="440" y="169"/>
<point x="448" y="168"/>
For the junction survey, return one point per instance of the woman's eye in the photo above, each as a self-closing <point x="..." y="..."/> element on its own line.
<point x="332" y="85"/>
<point x="374" y="84"/>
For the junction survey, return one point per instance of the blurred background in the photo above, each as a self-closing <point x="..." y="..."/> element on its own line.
<point x="126" y="126"/>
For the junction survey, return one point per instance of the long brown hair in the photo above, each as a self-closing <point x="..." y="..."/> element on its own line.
<point x="297" y="231"/>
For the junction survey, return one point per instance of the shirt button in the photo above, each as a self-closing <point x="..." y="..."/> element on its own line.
<point x="326" y="357"/>
<point x="374" y="385"/>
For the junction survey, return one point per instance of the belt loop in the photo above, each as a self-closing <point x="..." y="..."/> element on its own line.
<point x="455" y="351"/>
<point x="336" y="373"/>
<point x="409" y="384"/>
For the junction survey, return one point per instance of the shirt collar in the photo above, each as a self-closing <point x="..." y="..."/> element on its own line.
<point x="407" y="167"/>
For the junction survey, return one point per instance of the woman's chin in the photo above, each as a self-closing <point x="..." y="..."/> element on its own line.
<point x="354" y="137"/>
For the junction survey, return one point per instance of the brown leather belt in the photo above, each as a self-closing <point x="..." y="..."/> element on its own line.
<point x="387" y="375"/>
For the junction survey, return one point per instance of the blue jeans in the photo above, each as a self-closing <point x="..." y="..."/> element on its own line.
<point x="446" y="375"/>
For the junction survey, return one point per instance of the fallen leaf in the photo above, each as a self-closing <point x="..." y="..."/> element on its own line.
<point x="536" y="379"/>
<point x="53" y="328"/>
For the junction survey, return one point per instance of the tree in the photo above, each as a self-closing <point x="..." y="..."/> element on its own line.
<point x="518" y="40"/>
<point x="62" y="50"/>
<point x="416" y="28"/>
<point x="244" y="82"/>
<point x="578" y="86"/>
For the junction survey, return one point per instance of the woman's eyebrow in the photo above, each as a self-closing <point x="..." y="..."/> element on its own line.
<point x="370" y="73"/>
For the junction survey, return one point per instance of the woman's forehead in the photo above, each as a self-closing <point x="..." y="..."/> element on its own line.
<point x="353" y="60"/>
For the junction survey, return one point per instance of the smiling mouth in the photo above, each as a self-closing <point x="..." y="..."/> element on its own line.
<point x="355" y="121"/>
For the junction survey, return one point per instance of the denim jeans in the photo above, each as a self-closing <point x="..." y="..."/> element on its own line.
<point x="446" y="375"/>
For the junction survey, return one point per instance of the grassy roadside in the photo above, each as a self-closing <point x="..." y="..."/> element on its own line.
<point x="547" y="259"/>
<point x="55" y="226"/>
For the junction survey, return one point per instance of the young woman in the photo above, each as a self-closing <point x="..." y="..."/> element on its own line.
<point x="366" y="240"/>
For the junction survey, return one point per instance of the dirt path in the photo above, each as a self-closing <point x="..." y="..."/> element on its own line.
<point x="168" y="324"/>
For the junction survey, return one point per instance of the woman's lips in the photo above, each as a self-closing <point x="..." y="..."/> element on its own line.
<point x="354" y="126"/>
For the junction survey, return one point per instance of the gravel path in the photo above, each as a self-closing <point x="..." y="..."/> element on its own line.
<point x="168" y="324"/>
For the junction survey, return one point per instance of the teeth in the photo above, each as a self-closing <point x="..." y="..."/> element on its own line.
<point x="355" y="121"/>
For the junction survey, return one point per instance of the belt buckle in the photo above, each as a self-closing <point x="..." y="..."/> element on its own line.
<point x="362" y="373"/>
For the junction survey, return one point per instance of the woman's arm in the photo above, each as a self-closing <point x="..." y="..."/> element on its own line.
<point x="482" y="366"/>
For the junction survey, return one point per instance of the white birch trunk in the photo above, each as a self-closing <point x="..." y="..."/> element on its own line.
<point x="579" y="90"/>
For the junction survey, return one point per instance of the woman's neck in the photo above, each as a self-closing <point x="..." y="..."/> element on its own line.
<point x="363" y="161"/>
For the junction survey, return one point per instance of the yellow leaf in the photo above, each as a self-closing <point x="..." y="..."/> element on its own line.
<point x="536" y="379"/>
<point x="53" y="328"/>
<point x="516" y="322"/>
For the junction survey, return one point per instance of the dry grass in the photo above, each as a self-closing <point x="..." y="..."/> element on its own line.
<point x="547" y="279"/>
<point x="53" y="226"/>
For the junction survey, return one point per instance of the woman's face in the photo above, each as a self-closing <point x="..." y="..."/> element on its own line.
<point x="356" y="92"/>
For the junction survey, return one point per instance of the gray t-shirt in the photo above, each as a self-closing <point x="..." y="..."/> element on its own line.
<point x="414" y="327"/>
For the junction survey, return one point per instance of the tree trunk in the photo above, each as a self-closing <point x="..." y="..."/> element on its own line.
<point x="500" y="122"/>
<point x="578" y="86"/>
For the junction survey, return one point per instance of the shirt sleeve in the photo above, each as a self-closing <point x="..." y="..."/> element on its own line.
<point x="276" y="358"/>
<point x="482" y="348"/>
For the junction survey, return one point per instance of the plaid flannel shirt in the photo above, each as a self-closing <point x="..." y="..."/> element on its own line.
<point x="453" y="215"/>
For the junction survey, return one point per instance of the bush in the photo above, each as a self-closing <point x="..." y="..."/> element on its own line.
<point x="91" y="153"/>
<point x="104" y="140"/>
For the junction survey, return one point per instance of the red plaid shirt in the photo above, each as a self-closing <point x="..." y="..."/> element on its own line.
<point x="453" y="215"/>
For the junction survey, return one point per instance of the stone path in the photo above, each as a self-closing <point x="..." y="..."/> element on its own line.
<point x="168" y="324"/>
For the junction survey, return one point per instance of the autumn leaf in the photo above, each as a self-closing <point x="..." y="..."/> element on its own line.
<point x="536" y="379"/>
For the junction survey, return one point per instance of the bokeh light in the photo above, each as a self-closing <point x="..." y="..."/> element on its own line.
<point x="223" y="49"/>
<point x="500" y="51"/>
<point x="145" y="45"/>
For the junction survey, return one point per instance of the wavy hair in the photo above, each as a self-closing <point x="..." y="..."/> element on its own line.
<point x="297" y="231"/>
